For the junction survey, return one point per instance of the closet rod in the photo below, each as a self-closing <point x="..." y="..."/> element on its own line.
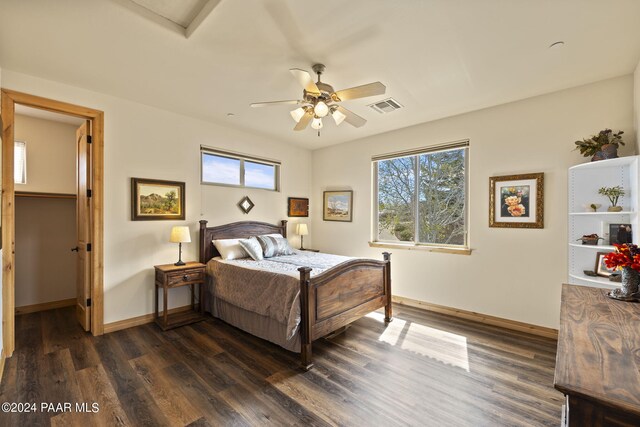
<point x="45" y="195"/>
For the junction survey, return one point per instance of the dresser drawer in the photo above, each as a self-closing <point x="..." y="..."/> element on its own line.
<point x="186" y="276"/>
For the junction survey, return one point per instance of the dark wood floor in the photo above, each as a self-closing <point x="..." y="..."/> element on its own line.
<point x="423" y="369"/>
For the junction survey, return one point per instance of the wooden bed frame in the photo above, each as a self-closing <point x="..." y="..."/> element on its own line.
<point x="328" y="301"/>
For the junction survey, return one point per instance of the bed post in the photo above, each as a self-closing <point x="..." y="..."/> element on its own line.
<point x="203" y="225"/>
<point x="284" y="227"/>
<point x="388" y="311"/>
<point x="305" y="319"/>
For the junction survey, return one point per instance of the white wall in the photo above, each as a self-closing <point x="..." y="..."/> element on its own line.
<point x="636" y="105"/>
<point x="45" y="268"/>
<point x="512" y="273"/>
<point x="51" y="155"/>
<point x="142" y="141"/>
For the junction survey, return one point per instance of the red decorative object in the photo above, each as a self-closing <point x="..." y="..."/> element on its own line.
<point x="625" y="255"/>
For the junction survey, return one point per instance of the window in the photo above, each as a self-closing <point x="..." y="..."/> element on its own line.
<point x="20" y="162"/>
<point x="421" y="196"/>
<point x="225" y="168"/>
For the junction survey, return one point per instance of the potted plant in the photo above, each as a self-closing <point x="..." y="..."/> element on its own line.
<point x="602" y="146"/>
<point x="613" y="194"/>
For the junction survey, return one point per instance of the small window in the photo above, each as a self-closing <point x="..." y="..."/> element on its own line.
<point x="422" y="197"/>
<point x="237" y="170"/>
<point x="20" y="162"/>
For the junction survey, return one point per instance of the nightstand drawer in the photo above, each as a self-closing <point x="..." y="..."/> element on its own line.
<point x="185" y="276"/>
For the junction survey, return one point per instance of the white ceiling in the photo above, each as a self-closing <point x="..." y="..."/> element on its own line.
<point x="437" y="57"/>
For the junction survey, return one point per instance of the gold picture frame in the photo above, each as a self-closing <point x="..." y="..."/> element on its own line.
<point x="337" y="206"/>
<point x="516" y="201"/>
<point x="154" y="199"/>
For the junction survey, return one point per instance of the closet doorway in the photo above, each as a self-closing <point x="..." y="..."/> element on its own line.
<point x="87" y="212"/>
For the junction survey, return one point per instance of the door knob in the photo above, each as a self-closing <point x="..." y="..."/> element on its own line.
<point x="76" y="249"/>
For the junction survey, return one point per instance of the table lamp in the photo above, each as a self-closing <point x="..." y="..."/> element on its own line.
<point x="180" y="235"/>
<point x="302" y="230"/>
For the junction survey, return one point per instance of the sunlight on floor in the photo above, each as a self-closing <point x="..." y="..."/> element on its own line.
<point x="442" y="346"/>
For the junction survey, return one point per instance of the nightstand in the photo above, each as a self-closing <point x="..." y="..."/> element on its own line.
<point x="169" y="276"/>
<point x="310" y="250"/>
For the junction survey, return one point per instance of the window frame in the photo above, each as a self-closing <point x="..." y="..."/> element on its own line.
<point x="24" y="162"/>
<point x="242" y="158"/>
<point x="416" y="244"/>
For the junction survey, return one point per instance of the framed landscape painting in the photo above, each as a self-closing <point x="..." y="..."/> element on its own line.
<point x="153" y="199"/>
<point x="338" y="206"/>
<point x="516" y="201"/>
<point x="298" y="207"/>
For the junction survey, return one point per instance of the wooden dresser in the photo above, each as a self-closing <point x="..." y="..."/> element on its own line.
<point x="598" y="359"/>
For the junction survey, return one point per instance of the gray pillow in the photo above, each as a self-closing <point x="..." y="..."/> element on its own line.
<point x="253" y="248"/>
<point x="274" y="246"/>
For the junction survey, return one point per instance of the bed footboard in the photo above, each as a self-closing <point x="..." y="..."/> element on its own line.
<point x="340" y="296"/>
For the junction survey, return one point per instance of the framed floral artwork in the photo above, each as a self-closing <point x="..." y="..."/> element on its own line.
<point x="516" y="201"/>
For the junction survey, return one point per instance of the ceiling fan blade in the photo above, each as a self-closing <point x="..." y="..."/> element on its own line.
<point x="363" y="91"/>
<point x="305" y="79"/>
<point x="304" y="121"/>
<point x="272" y="103"/>
<point x="352" y="118"/>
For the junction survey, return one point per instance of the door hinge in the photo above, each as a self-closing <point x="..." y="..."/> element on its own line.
<point x="88" y="247"/>
<point x="89" y="193"/>
<point x="89" y="141"/>
<point x="88" y="302"/>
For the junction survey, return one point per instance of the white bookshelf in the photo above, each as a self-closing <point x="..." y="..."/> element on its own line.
<point x="584" y="181"/>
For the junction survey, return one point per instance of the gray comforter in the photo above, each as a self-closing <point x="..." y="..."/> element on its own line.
<point x="270" y="287"/>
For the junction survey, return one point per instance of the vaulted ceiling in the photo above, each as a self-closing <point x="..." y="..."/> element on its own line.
<point x="436" y="57"/>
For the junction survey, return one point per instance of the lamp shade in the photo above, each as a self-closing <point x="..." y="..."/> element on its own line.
<point x="301" y="229"/>
<point x="321" y="109"/>
<point x="180" y="235"/>
<point x="298" y="113"/>
<point x="338" y="116"/>
<point x="316" y="123"/>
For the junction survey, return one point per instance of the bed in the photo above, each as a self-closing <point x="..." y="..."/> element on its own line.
<point x="328" y="299"/>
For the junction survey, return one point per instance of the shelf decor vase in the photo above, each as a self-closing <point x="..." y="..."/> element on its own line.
<point x="630" y="283"/>
<point x="607" y="151"/>
<point x="614" y="208"/>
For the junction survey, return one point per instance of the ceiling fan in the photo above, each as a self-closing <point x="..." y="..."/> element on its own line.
<point x="319" y="100"/>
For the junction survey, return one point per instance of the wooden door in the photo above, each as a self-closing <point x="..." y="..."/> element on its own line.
<point x="83" y="219"/>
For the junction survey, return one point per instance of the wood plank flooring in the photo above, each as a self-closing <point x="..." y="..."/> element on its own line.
<point x="423" y="369"/>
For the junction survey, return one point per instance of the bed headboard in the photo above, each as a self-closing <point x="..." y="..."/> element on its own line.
<point x="235" y="230"/>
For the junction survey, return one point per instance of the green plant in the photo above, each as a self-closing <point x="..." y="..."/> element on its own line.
<point x="612" y="193"/>
<point x="589" y="147"/>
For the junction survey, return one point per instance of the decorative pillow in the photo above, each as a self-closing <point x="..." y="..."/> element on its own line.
<point x="230" y="248"/>
<point x="272" y="245"/>
<point x="253" y="248"/>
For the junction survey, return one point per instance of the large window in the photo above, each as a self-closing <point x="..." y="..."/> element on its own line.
<point x="20" y="162"/>
<point x="224" y="168"/>
<point x="421" y="196"/>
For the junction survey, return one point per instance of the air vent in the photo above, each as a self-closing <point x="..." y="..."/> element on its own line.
<point x="386" y="106"/>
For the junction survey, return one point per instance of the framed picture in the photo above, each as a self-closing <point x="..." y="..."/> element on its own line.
<point x="517" y="201"/>
<point x="620" y="233"/>
<point x="153" y="199"/>
<point x="601" y="268"/>
<point x="338" y="206"/>
<point x="298" y="206"/>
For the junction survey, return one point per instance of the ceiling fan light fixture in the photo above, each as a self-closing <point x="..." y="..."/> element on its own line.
<point x="338" y="117"/>
<point x="298" y="113"/>
<point x="321" y="109"/>
<point x="316" y="123"/>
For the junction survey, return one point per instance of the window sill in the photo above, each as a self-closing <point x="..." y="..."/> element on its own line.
<point x="412" y="247"/>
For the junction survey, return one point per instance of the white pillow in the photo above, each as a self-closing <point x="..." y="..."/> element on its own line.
<point x="253" y="248"/>
<point x="230" y="248"/>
